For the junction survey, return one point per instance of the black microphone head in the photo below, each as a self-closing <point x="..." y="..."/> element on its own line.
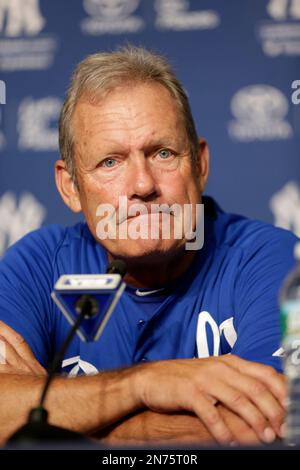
<point x="117" y="266"/>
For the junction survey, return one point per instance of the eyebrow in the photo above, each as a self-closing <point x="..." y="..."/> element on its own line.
<point x="149" y="147"/>
<point x="161" y="143"/>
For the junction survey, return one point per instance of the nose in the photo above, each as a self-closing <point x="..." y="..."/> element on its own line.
<point x="142" y="181"/>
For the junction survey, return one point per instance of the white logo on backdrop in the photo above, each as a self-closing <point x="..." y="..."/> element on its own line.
<point x="2" y="92"/>
<point x="259" y="112"/>
<point x="285" y="206"/>
<point x="20" y="22"/>
<point x="111" y="8"/>
<point x="281" y="10"/>
<point x="111" y="17"/>
<point x="19" y="17"/>
<point x="176" y="15"/>
<point x="2" y="137"/>
<point x="281" y="34"/>
<point x="18" y="218"/>
<point x="37" y="124"/>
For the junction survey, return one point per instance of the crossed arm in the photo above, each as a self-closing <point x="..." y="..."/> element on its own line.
<point x="221" y="399"/>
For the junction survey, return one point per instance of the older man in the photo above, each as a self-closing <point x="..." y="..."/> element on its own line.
<point x="126" y="131"/>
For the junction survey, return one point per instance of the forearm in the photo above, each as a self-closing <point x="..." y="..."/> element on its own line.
<point x="149" y="426"/>
<point x="83" y="404"/>
<point x="89" y="404"/>
<point x="177" y="428"/>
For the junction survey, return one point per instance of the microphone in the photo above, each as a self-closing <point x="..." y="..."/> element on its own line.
<point x="93" y="297"/>
<point x="79" y="299"/>
<point x="118" y="266"/>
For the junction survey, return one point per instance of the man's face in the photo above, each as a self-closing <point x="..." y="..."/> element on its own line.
<point x="133" y="143"/>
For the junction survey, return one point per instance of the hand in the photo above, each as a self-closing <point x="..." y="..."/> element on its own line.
<point x="242" y="433"/>
<point x="254" y="392"/>
<point x="16" y="356"/>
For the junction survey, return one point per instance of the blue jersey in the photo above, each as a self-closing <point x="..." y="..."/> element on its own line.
<point x="226" y="302"/>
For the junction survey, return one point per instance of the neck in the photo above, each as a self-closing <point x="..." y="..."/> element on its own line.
<point x="157" y="271"/>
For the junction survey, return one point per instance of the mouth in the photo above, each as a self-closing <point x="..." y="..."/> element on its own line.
<point x="151" y="214"/>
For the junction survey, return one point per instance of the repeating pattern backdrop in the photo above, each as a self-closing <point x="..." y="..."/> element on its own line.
<point x="239" y="60"/>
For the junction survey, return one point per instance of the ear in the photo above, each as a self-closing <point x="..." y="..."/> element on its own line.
<point x="66" y="186"/>
<point x="202" y="164"/>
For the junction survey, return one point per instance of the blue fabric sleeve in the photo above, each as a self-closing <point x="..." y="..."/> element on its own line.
<point x="26" y="281"/>
<point x="267" y="260"/>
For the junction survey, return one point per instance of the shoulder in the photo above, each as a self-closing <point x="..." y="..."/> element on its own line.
<point x="254" y="253"/>
<point x="251" y="236"/>
<point x="42" y="245"/>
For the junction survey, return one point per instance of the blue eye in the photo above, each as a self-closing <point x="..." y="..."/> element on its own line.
<point x="165" y="153"/>
<point x="109" y="163"/>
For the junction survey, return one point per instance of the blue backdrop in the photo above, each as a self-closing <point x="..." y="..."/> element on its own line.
<point x="239" y="60"/>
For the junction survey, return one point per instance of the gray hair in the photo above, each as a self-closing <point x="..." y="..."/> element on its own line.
<point x="102" y="72"/>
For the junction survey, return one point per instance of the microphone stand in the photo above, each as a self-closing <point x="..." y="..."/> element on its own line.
<point x="37" y="428"/>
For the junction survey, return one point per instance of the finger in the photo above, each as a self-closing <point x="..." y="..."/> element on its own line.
<point x="13" y="359"/>
<point x="258" y="393"/>
<point x="8" y="369"/>
<point x="16" y="341"/>
<point x="212" y="419"/>
<point x="2" y="352"/>
<point x="242" y="433"/>
<point x="234" y="399"/>
<point x="21" y="347"/>
<point x="273" y="380"/>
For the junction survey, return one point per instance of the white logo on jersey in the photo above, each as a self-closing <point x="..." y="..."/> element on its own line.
<point x="226" y="328"/>
<point x="18" y="219"/>
<point x="19" y="17"/>
<point x="142" y="293"/>
<point x="279" y="353"/>
<point x="86" y="367"/>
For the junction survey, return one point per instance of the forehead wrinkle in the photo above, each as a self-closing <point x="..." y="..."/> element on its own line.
<point x="141" y="131"/>
<point x="93" y="116"/>
<point x="126" y="123"/>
